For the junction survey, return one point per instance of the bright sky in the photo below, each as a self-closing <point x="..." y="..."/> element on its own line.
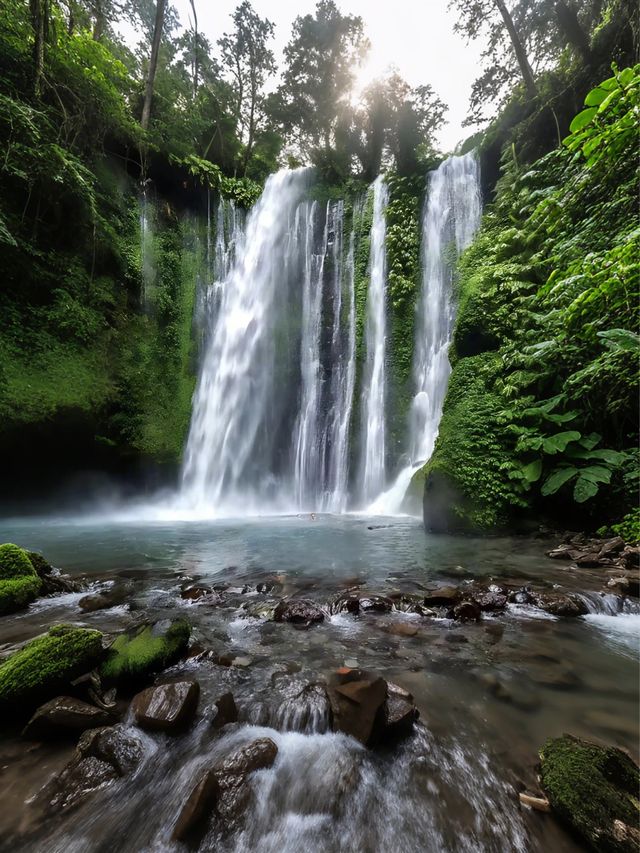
<point x="414" y="35"/>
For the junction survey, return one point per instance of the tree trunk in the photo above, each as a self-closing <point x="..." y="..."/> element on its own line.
<point x="38" y="12"/>
<point x="153" y="62"/>
<point x="518" y="48"/>
<point x="195" y="48"/>
<point x="572" y="30"/>
<point x="99" y="23"/>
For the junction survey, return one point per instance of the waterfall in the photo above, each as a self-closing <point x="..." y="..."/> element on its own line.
<point x="451" y="217"/>
<point x="147" y="260"/>
<point x="343" y="375"/>
<point x="272" y="408"/>
<point x="307" y="472"/>
<point x="372" y="464"/>
<point x="233" y="417"/>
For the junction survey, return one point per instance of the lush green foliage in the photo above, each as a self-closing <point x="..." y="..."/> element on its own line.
<point x="404" y="277"/>
<point x="550" y="286"/>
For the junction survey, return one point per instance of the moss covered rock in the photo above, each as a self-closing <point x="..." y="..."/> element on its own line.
<point x="46" y="666"/>
<point x="594" y="790"/>
<point x="14" y="562"/>
<point x="137" y="654"/>
<point x="19" y="581"/>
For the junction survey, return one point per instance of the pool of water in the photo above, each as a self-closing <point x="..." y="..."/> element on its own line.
<point x="489" y="693"/>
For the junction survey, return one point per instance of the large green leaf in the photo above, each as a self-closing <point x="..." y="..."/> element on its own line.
<point x="595" y="97"/>
<point x="596" y="474"/>
<point x="583" y="119"/>
<point x="532" y="471"/>
<point x="621" y="339"/>
<point x="584" y="489"/>
<point x="559" y="477"/>
<point x="558" y="442"/>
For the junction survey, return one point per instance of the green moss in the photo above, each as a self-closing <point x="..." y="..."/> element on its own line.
<point x="590" y="786"/>
<point x="148" y="649"/>
<point x="19" y="583"/>
<point x="14" y="562"/>
<point x="46" y="666"/>
<point x="18" y="593"/>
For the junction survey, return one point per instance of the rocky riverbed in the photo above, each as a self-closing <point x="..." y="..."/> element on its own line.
<point x="276" y="707"/>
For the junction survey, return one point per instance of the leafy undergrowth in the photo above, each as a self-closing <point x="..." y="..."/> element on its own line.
<point x="543" y="395"/>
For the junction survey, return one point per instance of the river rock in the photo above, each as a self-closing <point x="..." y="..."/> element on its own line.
<point x="490" y="601"/>
<point x="589" y="560"/>
<point x="64" y="714"/>
<point x="562" y="605"/>
<point x="198" y="806"/>
<point x="376" y="603"/>
<point x="253" y="756"/>
<point x="521" y="596"/>
<point x="444" y="595"/>
<point x="593" y="790"/>
<point x="611" y="547"/>
<point x="137" y="654"/>
<point x="76" y="782"/>
<point x="563" y="552"/>
<point x="399" y="716"/>
<point x="298" y="611"/>
<point x="630" y="557"/>
<point x="467" y="611"/>
<point x="348" y="602"/>
<point x="206" y="594"/>
<point x="166" y="707"/>
<point x="402" y="629"/>
<point x="357" y="708"/>
<point x="46" y="666"/>
<point x="116" y="745"/>
<point x="116" y="595"/>
<point x="224" y="711"/>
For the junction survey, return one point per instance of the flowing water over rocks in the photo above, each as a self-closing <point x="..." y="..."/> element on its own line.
<point x="491" y="682"/>
<point x="451" y="218"/>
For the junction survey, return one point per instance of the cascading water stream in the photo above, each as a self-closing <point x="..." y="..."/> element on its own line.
<point x="451" y="216"/>
<point x="232" y="405"/>
<point x="272" y="409"/>
<point x="372" y="464"/>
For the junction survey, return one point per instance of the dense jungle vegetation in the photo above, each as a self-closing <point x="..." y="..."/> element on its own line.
<point x="98" y="352"/>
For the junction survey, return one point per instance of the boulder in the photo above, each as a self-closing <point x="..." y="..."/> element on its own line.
<point x="399" y="716"/>
<point x="19" y="582"/>
<point x="376" y="603"/>
<point x="521" y="596"/>
<point x="196" y="592"/>
<point x="64" y="714"/>
<point x="253" y="756"/>
<point x="467" y="611"/>
<point x="166" y="707"/>
<point x="563" y="552"/>
<point x="224" y="711"/>
<point x="611" y="547"/>
<point x="593" y="790"/>
<point x="443" y="596"/>
<point x="562" y="605"/>
<point x="137" y="654"/>
<point x="76" y="782"/>
<point x="116" y="745"/>
<point x="116" y="595"/>
<point x="197" y="807"/>
<point x="52" y="581"/>
<point x="46" y="666"/>
<point x="491" y="601"/>
<point x="357" y="707"/>
<point x="589" y="560"/>
<point x="298" y="611"/>
<point x="630" y="557"/>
